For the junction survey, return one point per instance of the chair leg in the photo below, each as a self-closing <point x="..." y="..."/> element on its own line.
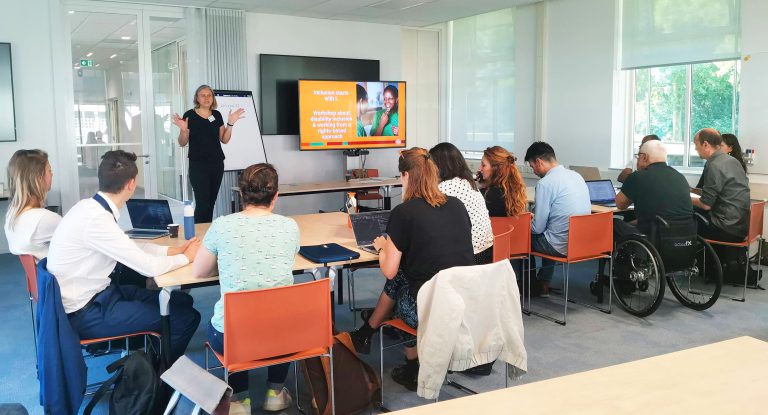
<point x="381" y="362"/>
<point x="34" y="328"/>
<point x="567" y="270"/>
<point x="296" y="380"/>
<point x="506" y="374"/>
<point x="333" y="391"/>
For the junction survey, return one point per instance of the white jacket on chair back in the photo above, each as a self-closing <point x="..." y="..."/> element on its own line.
<point x="469" y="316"/>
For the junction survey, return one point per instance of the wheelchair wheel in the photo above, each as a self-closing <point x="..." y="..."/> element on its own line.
<point x="637" y="276"/>
<point x="698" y="286"/>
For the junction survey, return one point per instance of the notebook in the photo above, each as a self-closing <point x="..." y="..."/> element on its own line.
<point x="601" y="192"/>
<point x="368" y="226"/>
<point x="149" y="217"/>
<point x="326" y="253"/>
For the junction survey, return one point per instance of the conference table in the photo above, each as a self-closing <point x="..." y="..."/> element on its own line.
<point x="530" y="194"/>
<point x="314" y="229"/>
<point x="727" y="377"/>
<point x="385" y="184"/>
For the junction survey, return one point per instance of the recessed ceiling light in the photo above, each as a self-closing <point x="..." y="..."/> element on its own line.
<point x="113" y="56"/>
<point x="98" y="64"/>
<point x="89" y="54"/>
<point x="378" y="3"/>
<point x="77" y="67"/>
<point x="71" y="12"/>
<point x="125" y="37"/>
<point x="412" y="5"/>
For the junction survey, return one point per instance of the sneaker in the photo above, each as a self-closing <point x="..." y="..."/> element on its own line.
<point x="242" y="407"/>
<point x="543" y="289"/>
<point x="275" y="401"/>
<point x="407" y="375"/>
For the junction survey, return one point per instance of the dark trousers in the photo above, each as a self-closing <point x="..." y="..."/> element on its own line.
<point x="276" y="374"/>
<point x="206" y="180"/>
<point x="539" y="243"/>
<point x="125" y="309"/>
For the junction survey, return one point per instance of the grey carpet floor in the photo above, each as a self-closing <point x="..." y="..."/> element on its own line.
<point x="590" y="340"/>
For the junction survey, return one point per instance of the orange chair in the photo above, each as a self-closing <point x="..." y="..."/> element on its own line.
<point x="501" y="241"/>
<point x="30" y="272"/>
<point x="519" y="242"/>
<point x="590" y="237"/>
<point x="369" y="194"/>
<point x="755" y="234"/>
<point x="251" y="327"/>
<point x="400" y="325"/>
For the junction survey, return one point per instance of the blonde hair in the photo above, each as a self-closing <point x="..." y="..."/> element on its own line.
<point x="26" y="182"/>
<point x="422" y="176"/>
<point x="506" y="176"/>
<point x="214" y="105"/>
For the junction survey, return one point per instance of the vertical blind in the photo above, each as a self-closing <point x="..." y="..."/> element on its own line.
<point x="482" y="81"/>
<point x="673" y="32"/>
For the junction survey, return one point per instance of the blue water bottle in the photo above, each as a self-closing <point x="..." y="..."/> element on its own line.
<point x="189" y="220"/>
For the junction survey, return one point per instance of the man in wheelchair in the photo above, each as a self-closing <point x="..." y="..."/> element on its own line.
<point x="663" y="235"/>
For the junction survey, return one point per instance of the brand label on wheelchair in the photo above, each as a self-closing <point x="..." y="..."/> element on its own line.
<point x="683" y="243"/>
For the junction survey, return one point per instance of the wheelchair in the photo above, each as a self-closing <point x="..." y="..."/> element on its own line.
<point x="673" y="254"/>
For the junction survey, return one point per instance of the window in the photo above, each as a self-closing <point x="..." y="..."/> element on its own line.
<point x="482" y="81"/>
<point x="674" y="102"/>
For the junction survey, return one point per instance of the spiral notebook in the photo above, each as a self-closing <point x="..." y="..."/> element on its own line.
<point x="326" y="253"/>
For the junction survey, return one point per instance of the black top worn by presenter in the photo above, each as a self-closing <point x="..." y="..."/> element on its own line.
<point x="206" y="161"/>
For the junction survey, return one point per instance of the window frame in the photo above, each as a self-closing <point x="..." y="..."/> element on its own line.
<point x="688" y="147"/>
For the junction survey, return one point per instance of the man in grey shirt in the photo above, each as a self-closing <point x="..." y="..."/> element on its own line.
<point x="724" y="190"/>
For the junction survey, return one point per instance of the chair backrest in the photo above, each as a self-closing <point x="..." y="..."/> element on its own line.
<point x="756" y="220"/>
<point x="259" y="324"/>
<point x="520" y="238"/>
<point x="588" y="173"/>
<point x="590" y="235"/>
<point x="501" y="242"/>
<point x="30" y="271"/>
<point x="676" y="241"/>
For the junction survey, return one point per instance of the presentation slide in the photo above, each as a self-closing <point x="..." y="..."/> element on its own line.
<point x="349" y="114"/>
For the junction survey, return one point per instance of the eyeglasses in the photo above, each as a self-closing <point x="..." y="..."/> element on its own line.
<point x="637" y="156"/>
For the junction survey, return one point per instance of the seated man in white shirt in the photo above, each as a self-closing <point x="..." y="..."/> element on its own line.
<point x="88" y="246"/>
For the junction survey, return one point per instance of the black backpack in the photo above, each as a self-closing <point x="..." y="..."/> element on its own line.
<point x="136" y="386"/>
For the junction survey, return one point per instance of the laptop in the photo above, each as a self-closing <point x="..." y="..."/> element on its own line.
<point x="149" y="217"/>
<point x="602" y="192"/>
<point x="368" y="226"/>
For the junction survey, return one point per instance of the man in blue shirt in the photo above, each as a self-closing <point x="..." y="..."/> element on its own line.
<point x="560" y="194"/>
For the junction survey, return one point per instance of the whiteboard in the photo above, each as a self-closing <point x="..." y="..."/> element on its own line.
<point x="246" y="146"/>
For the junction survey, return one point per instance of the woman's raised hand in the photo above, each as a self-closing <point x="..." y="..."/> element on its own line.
<point x="180" y="122"/>
<point x="234" y="116"/>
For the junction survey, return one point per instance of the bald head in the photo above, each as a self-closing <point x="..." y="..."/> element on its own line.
<point x="655" y="151"/>
<point x="706" y="142"/>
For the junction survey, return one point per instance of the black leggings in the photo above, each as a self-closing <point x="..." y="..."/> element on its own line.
<point x="206" y="180"/>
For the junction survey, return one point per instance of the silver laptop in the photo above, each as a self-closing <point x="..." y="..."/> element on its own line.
<point x="602" y="192"/>
<point x="368" y="226"/>
<point x="149" y="217"/>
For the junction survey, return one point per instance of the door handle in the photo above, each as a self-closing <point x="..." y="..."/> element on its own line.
<point x="143" y="155"/>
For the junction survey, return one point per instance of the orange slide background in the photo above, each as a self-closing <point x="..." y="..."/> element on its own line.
<point x="328" y="117"/>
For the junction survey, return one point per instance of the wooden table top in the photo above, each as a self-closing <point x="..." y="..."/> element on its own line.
<point x="727" y="377"/>
<point x="314" y="229"/>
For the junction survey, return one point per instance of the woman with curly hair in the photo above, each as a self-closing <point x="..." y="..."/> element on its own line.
<point x="503" y="185"/>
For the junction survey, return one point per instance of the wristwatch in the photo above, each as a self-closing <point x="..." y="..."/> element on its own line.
<point x="231" y="125"/>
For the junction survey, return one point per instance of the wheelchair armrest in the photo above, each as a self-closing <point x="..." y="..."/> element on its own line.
<point x="703" y="219"/>
<point x="662" y="222"/>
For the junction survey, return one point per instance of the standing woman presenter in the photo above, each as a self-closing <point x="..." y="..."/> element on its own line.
<point x="204" y="129"/>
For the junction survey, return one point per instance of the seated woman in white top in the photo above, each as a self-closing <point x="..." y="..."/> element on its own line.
<point x="456" y="180"/>
<point x="28" y="226"/>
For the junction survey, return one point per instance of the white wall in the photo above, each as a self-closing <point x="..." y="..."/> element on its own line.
<point x="753" y="123"/>
<point x="32" y="88"/>
<point x="578" y="80"/>
<point x="286" y="35"/>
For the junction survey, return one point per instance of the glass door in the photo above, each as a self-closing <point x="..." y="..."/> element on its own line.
<point x="107" y="92"/>
<point x="167" y="86"/>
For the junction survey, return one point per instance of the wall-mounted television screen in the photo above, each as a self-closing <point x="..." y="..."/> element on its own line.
<point x="351" y="114"/>
<point x="7" y="116"/>
<point x="280" y="74"/>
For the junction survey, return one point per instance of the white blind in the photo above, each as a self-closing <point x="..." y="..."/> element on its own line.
<point x="482" y="81"/>
<point x="671" y="32"/>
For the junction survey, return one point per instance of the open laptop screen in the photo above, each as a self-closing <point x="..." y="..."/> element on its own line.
<point x="367" y="226"/>
<point x="149" y="213"/>
<point x="601" y="191"/>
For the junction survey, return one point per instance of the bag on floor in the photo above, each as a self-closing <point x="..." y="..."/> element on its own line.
<point x="356" y="384"/>
<point x="135" y="383"/>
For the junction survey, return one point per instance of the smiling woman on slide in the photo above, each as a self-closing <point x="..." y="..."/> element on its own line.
<point x="386" y="120"/>
<point x="203" y="128"/>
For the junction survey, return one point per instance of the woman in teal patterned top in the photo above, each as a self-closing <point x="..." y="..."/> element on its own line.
<point x="385" y="120"/>
<point x="252" y="249"/>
